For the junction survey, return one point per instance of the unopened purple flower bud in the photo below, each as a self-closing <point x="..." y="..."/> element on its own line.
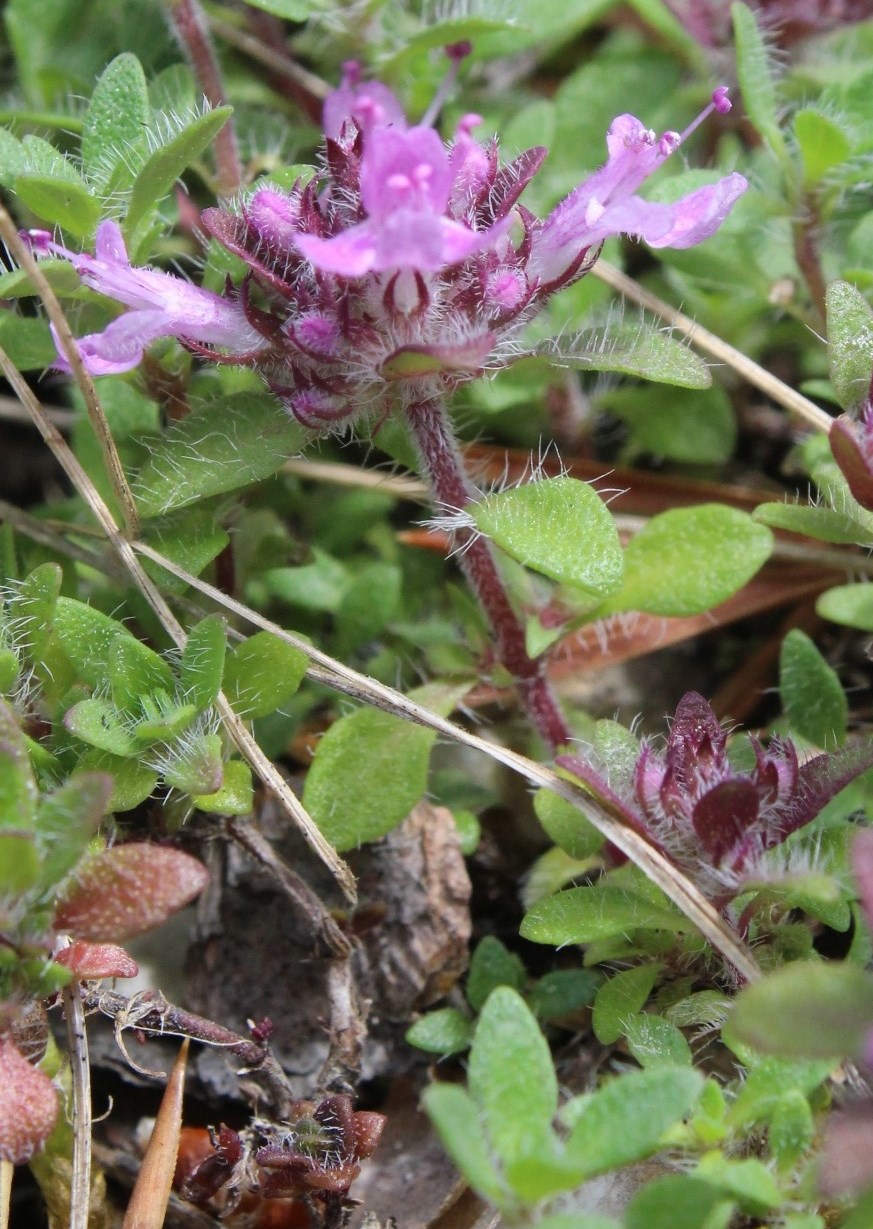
<point x="315" y="409"/>
<point x="468" y="161"/>
<point x="370" y="104"/>
<point x="274" y="216"/>
<point x="505" y="288"/>
<point x="316" y="333"/>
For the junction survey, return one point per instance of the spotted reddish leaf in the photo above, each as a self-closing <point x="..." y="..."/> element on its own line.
<point x="94" y="960"/>
<point x="28" y="1105"/>
<point x="126" y="890"/>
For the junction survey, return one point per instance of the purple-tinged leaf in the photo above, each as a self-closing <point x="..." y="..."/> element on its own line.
<point x="818" y="781"/>
<point x="851" y="443"/>
<point x="724" y="815"/>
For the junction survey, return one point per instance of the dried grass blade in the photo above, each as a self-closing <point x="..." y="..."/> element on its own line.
<point x="148" y="1201"/>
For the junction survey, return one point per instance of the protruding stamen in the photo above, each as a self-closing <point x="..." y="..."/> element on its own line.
<point x="458" y="51"/>
<point x="720" y="103"/>
<point x="720" y="100"/>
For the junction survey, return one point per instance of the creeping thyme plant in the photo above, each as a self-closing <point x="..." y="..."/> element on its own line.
<point x="410" y="409"/>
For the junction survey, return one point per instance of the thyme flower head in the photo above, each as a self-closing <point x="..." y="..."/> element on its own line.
<point x="398" y="271"/>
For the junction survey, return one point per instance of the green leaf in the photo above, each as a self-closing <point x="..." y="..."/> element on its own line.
<point x="164" y="721"/>
<point x="28" y="342"/>
<point x="861" y="1215"/>
<point x="13" y="158"/>
<point x="442" y="34"/>
<point x="195" y="765"/>
<point x="60" y="202"/>
<point x="445" y="1031"/>
<point x="163" y="167"/>
<point x="200" y="670"/>
<point x="369" y="771"/>
<point x="689" y="560"/>
<point x="792" y="1129"/>
<point x="319" y="585"/>
<point x="848" y="527"/>
<point x="552" y="871"/>
<point x="132" y="781"/>
<point x="850" y="334"/>
<point x="656" y="1042"/>
<point x="566" y="825"/>
<point x="577" y="1220"/>
<point x="558" y="526"/>
<point x="113" y="133"/>
<point x="369" y="602"/>
<point x="511" y="1076"/>
<point x="135" y="670"/>
<point x="695" y="427"/>
<point x="87" y="636"/>
<point x="191" y="539"/>
<point x="706" y="1008"/>
<point x="236" y="795"/>
<point x="812" y="697"/>
<point x="59" y="274"/>
<point x="642" y="350"/>
<point x="17" y="788"/>
<point x="100" y="724"/>
<point x="223" y="445"/>
<point x="19" y="863"/>
<point x="42" y="159"/>
<point x="290" y="10"/>
<point x="621" y="997"/>
<point x="563" y="993"/>
<point x="756" y="78"/>
<point x="679" y="1201"/>
<point x="626" y="1119"/>
<point x="67" y="820"/>
<point x="262" y="674"/>
<point x="469" y="830"/>
<point x="807" y="1009"/>
<point x="493" y="965"/>
<point x="823" y="144"/>
<point x="582" y="915"/>
<point x="10" y="667"/>
<point x="850" y="605"/>
<point x="748" y="1181"/>
<point x="173" y="91"/>
<point x="458" y="1124"/>
<point x="768" y="1082"/>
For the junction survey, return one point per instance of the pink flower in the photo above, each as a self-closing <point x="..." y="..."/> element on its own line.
<point x="393" y="274"/>
<point x="407" y="180"/>
<point x="606" y="203"/>
<point x="370" y="104"/>
<point x="162" y="306"/>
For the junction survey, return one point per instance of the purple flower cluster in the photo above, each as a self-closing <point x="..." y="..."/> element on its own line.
<point x="712" y="820"/>
<point x="398" y="271"/>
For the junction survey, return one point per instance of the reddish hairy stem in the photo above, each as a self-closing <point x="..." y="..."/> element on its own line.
<point x="806" y="253"/>
<point x="451" y="489"/>
<point x="190" y="26"/>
